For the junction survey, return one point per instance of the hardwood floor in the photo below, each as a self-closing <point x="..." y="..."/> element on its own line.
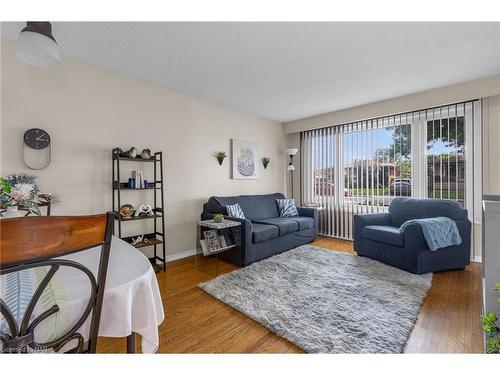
<point x="198" y="323"/>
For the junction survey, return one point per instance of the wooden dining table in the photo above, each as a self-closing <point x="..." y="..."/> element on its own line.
<point x="132" y="305"/>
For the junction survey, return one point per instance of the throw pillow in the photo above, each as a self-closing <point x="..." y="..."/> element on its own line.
<point x="287" y="207"/>
<point x="234" y="210"/>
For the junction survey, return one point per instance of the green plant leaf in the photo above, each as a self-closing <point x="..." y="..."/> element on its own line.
<point x="497" y="286"/>
<point x="493" y="346"/>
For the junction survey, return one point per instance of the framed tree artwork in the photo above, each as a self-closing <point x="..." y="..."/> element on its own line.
<point x="245" y="158"/>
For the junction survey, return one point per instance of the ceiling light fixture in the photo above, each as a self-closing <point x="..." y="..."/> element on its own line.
<point x="36" y="45"/>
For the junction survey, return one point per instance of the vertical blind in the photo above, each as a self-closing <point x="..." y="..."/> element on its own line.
<point x="362" y="166"/>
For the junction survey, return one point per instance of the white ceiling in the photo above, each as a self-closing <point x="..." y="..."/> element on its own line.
<point x="286" y="71"/>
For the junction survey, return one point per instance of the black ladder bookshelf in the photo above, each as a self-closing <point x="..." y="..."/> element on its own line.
<point x="157" y="236"/>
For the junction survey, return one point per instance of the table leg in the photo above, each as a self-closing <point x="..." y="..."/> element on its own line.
<point x="132" y="343"/>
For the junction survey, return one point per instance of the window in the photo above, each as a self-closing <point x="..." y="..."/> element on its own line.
<point x="361" y="167"/>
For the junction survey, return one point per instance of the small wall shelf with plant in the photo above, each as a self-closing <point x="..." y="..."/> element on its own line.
<point x="220" y="156"/>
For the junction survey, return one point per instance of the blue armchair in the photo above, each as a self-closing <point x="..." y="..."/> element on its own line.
<point x="377" y="236"/>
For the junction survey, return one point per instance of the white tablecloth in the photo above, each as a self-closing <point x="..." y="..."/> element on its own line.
<point x="132" y="300"/>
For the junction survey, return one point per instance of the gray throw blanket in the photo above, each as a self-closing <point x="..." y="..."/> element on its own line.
<point x="439" y="232"/>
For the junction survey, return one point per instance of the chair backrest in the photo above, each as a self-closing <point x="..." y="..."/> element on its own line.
<point x="31" y="242"/>
<point x="404" y="209"/>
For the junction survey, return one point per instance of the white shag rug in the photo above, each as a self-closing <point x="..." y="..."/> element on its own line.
<point x="326" y="301"/>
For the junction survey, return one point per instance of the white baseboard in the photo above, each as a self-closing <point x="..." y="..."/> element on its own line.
<point x="184" y="254"/>
<point x="477" y="259"/>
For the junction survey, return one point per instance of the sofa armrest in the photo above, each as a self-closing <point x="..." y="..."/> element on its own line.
<point x="307" y="211"/>
<point x="362" y="220"/>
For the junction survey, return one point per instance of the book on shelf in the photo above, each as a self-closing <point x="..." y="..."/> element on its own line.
<point x="138" y="178"/>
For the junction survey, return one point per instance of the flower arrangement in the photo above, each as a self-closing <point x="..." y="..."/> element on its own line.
<point x="21" y="190"/>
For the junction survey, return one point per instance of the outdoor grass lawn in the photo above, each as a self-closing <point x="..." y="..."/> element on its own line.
<point x="386" y="192"/>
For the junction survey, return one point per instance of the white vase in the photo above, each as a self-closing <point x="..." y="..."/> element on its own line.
<point x="12" y="211"/>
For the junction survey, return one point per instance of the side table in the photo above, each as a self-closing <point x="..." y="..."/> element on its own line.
<point x="225" y="237"/>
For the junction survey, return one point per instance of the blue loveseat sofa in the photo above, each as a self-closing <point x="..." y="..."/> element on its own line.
<point x="263" y="232"/>
<point x="377" y="236"/>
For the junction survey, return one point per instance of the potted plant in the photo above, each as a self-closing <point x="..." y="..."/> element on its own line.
<point x="218" y="218"/>
<point x="492" y="329"/>
<point x="220" y="156"/>
<point x="21" y="191"/>
<point x="265" y="161"/>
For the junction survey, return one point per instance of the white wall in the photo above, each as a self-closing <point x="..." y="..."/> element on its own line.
<point x="88" y="110"/>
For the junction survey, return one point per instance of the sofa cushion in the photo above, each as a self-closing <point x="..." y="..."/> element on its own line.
<point x="285" y="225"/>
<point x="263" y="232"/>
<point x="254" y="206"/>
<point x="404" y="209"/>
<point x="234" y="210"/>
<point x="287" y="207"/>
<point x="384" y="234"/>
<point x="304" y="222"/>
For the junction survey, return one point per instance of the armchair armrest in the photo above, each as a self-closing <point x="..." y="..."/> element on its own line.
<point x="383" y="218"/>
<point x="414" y="237"/>
<point x="362" y="220"/>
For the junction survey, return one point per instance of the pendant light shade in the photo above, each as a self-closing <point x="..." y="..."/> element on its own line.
<point x="36" y="45"/>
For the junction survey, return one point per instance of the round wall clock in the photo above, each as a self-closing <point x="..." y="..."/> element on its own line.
<point x="37" y="148"/>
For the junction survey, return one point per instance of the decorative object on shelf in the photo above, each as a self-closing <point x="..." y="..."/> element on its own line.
<point x="22" y="191"/>
<point x="245" y="156"/>
<point x="492" y="328"/>
<point x="37" y="148"/>
<point x="291" y="152"/>
<point x="36" y="45"/>
<point x="126" y="210"/>
<point x="220" y="156"/>
<point x="137" y="240"/>
<point x="156" y="236"/>
<point x="132" y="153"/>
<point x="265" y="161"/>
<point x="144" y="210"/>
<point x="146" y="153"/>
<point x="218" y="218"/>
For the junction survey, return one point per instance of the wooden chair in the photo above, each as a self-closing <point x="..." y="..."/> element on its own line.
<point x="31" y="242"/>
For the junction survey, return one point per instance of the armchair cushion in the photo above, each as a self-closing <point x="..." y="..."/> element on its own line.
<point x="385" y="234"/>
